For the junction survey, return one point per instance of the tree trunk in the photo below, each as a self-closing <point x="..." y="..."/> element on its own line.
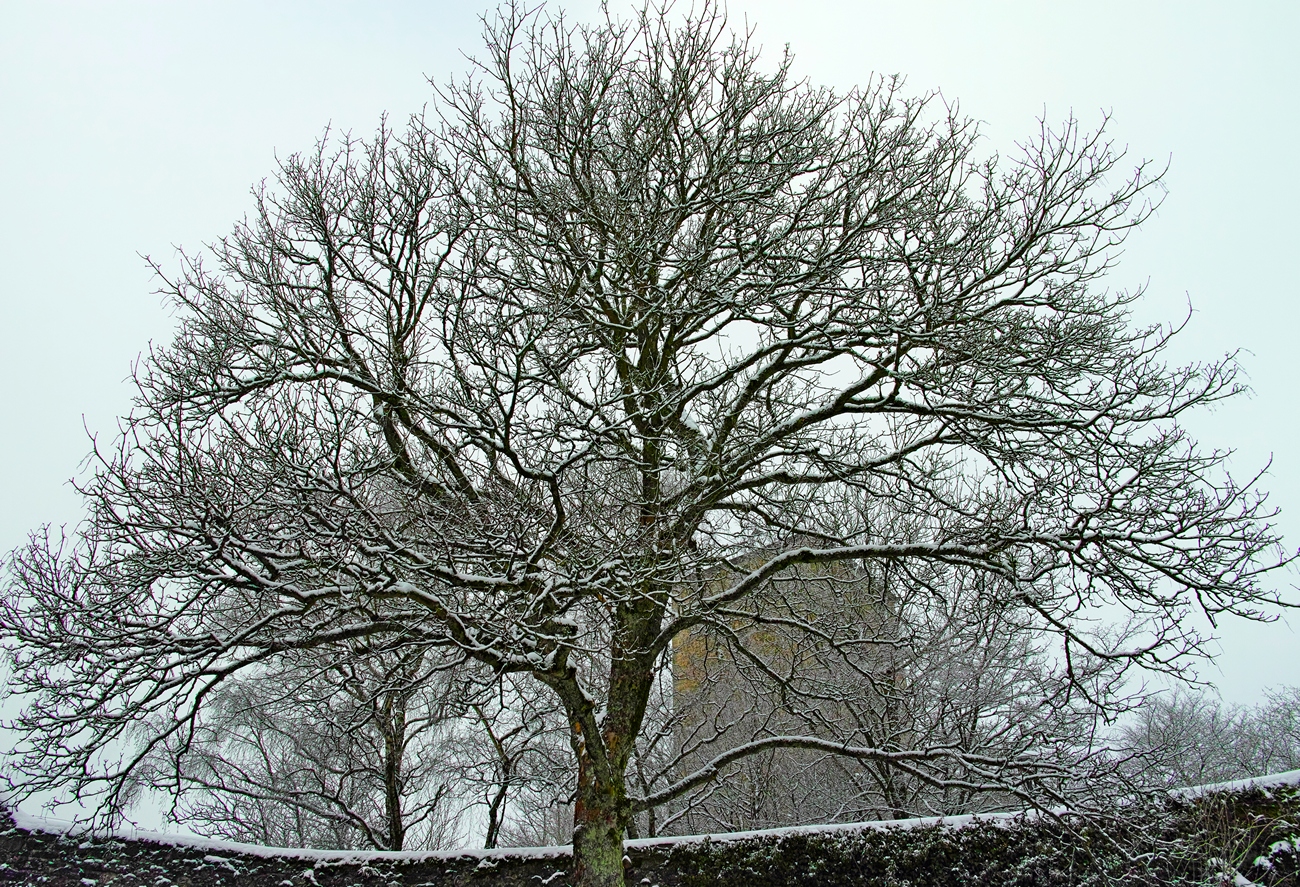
<point x="496" y="810"/>
<point x="393" y="724"/>
<point x="603" y="746"/>
<point x="600" y="818"/>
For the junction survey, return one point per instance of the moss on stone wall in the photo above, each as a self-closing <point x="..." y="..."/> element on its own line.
<point x="1217" y="838"/>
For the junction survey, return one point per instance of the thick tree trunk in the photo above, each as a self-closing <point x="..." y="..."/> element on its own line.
<point x="603" y="746"/>
<point x="600" y="818"/>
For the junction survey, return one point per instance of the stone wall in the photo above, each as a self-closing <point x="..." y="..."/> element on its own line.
<point x="1245" y="833"/>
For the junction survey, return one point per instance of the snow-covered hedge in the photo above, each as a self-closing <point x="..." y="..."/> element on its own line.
<point x="1239" y="833"/>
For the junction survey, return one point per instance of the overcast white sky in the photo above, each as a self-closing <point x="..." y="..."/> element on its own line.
<point x="129" y="128"/>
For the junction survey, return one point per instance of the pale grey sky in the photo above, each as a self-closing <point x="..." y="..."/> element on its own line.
<point x="132" y="127"/>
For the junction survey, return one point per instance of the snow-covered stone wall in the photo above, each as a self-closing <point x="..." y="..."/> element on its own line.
<point x="1239" y="833"/>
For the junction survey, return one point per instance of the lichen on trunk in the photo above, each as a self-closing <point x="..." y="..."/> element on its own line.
<point x="600" y="817"/>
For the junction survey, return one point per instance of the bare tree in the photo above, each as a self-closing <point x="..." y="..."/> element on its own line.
<point x="517" y="757"/>
<point x="323" y="753"/>
<point x="1179" y="739"/>
<point x="910" y="662"/>
<point x="515" y="385"/>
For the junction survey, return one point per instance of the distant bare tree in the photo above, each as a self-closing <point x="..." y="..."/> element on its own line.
<point x="330" y="754"/>
<point x="343" y="755"/>
<point x="517" y="385"/>
<point x="910" y="661"/>
<point x="516" y="754"/>
<point x="1182" y="738"/>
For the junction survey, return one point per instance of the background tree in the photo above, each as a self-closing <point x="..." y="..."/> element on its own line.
<point x="517" y="385"/>
<point x="515" y="754"/>
<point x="914" y="661"/>
<point x="385" y="753"/>
<point x="350" y="754"/>
<point x="1181" y="738"/>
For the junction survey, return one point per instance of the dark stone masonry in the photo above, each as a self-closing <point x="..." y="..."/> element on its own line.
<point x="80" y="860"/>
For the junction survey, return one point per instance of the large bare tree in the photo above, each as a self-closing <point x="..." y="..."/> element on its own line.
<point x="629" y="328"/>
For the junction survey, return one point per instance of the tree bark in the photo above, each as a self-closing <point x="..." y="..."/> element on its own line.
<point x="393" y="722"/>
<point x="601" y="814"/>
